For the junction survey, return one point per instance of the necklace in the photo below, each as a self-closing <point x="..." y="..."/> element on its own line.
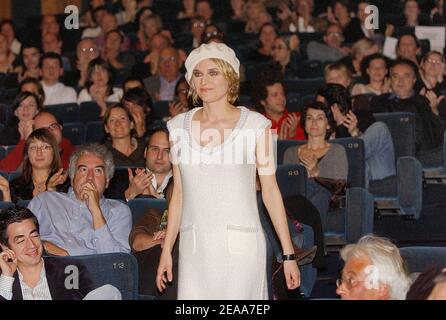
<point x="39" y="186"/>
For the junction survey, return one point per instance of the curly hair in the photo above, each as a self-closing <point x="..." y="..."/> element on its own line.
<point x="266" y="77"/>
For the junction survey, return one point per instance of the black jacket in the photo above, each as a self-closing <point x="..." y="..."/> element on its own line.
<point x="56" y="276"/>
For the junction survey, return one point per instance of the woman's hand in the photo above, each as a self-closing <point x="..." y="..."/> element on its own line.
<point x="140" y="123"/>
<point x="292" y="274"/>
<point x="99" y="95"/>
<point x="434" y="101"/>
<point x="56" y="179"/>
<point x="25" y="128"/>
<point x="309" y="160"/>
<point x="4" y="188"/>
<point x="389" y="30"/>
<point x="351" y="123"/>
<point x="164" y="272"/>
<point x="54" y="250"/>
<point x="175" y="108"/>
<point x="159" y="237"/>
<point x="284" y="12"/>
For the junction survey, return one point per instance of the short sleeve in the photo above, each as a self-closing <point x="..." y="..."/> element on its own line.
<point x="177" y="131"/>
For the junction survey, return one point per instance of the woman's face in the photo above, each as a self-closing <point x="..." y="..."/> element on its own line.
<point x="99" y="76"/>
<point x="377" y="70"/>
<point x="253" y="10"/>
<point x="118" y="124"/>
<point x="411" y="9"/>
<point x="267" y="35"/>
<point x="27" y="109"/>
<point x="275" y="101"/>
<point x="189" y="4"/>
<point x="433" y="66"/>
<point x="150" y="28"/>
<point x="337" y="76"/>
<point x="182" y="90"/>
<point x="31" y="87"/>
<point x="280" y="50"/>
<point x="113" y="42"/>
<point x="8" y="32"/>
<point x="40" y="154"/>
<point x="316" y="123"/>
<point x="209" y="82"/>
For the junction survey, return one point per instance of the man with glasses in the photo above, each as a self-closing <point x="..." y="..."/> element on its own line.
<point x="86" y="51"/>
<point x="333" y="47"/>
<point x="43" y="119"/>
<point x="373" y="270"/>
<point x="162" y="87"/>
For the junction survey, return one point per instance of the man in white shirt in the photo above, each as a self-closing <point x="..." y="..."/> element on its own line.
<point x="55" y="92"/>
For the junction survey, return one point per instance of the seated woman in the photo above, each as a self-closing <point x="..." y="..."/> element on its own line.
<point x="98" y="87"/>
<point x="25" y="106"/>
<point x="264" y="52"/>
<point x="321" y="159"/>
<point x="268" y="97"/>
<point x="286" y="54"/>
<point x="374" y="71"/>
<point x="338" y="73"/>
<point x="139" y="103"/>
<point x="7" y="57"/>
<point x="42" y="169"/>
<point x="360" y="49"/>
<point x="120" y="62"/>
<point x="127" y="150"/>
<point x="431" y="83"/>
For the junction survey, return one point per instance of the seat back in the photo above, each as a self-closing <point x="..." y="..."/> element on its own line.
<point x="139" y="206"/>
<point x="117" y="269"/>
<point x="89" y="111"/>
<point x="74" y="131"/>
<point x="294" y="102"/>
<point x="419" y="258"/>
<point x="402" y="129"/>
<point x="5" y="205"/>
<point x="303" y="86"/>
<point x="66" y="112"/>
<point x="292" y="179"/>
<point x="160" y="109"/>
<point x="94" y="132"/>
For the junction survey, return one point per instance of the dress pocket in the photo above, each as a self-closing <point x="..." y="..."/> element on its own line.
<point x="187" y="239"/>
<point x="242" y="240"/>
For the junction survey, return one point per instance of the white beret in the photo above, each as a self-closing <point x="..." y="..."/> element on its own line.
<point x="211" y="50"/>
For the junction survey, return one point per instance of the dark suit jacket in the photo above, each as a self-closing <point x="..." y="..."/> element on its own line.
<point x="55" y="275"/>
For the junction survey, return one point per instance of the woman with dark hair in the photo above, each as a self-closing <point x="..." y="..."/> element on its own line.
<point x="25" y="106"/>
<point x="340" y="13"/>
<point x="180" y="101"/>
<point x="264" y="52"/>
<point x="131" y="83"/>
<point x="34" y="86"/>
<point x="139" y="103"/>
<point x="187" y="9"/>
<point x="127" y="150"/>
<point x="7" y="57"/>
<point x="374" y="71"/>
<point x="98" y="87"/>
<point x="42" y="169"/>
<point x="322" y="160"/>
<point x="7" y="28"/>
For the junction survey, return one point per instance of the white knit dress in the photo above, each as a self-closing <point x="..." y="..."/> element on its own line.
<point x="222" y="253"/>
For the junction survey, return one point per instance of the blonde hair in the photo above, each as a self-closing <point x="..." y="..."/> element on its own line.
<point x="361" y="46"/>
<point x="229" y="74"/>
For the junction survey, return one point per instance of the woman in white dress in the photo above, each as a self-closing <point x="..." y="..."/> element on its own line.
<point x="216" y="151"/>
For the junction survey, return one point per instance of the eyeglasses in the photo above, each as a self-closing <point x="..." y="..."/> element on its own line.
<point x="211" y="34"/>
<point x="336" y="34"/>
<point x="53" y="126"/>
<point x="349" y="282"/>
<point x="434" y="61"/>
<point x="43" y="148"/>
<point x="198" y="25"/>
<point x="183" y="91"/>
<point x="88" y="49"/>
<point x="170" y="59"/>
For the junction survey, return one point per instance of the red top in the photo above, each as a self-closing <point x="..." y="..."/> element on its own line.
<point x="300" y="132"/>
<point x="15" y="158"/>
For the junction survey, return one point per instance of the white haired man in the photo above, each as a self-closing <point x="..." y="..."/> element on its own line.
<point x="374" y="270"/>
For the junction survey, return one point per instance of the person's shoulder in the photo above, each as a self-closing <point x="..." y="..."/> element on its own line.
<point x="337" y="148"/>
<point x="178" y="122"/>
<point x="117" y="205"/>
<point x="255" y="118"/>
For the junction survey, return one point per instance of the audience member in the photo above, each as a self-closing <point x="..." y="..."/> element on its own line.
<point x="264" y="53"/>
<point x="373" y="270"/>
<point x="7" y="28"/>
<point x="55" y="91"/>
<point x="82" y="221"/>
<point x="7" y="57"/>
<point x="127" y="150"/>
<point x="28" y="275"/>
<point x="333" y="47"/>
<point x="42" y="169"/>
<point x="374" y="71"/>
<point x="29" y="67"/>
<point x="139" y="104"/>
